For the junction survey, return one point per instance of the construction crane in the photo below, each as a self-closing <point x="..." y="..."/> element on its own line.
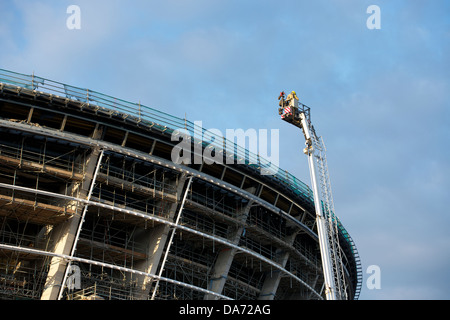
<point x="299" y="115"/>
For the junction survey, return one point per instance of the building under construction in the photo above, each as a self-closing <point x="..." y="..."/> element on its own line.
<point x="92" y="207"/>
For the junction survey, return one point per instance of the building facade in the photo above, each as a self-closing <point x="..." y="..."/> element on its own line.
<point x="93" y="207"/>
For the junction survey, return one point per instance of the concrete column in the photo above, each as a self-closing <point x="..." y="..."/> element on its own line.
<point x="63" y="235"/>
<point x="273" y="278"/>
<point x="155" y="240"/>
<point x="225" y="258"/>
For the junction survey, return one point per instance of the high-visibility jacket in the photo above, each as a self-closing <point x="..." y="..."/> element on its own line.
<point x="291" y="96"/>
<point x="291" y="100"/>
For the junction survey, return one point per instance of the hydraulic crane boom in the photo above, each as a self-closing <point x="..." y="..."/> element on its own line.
<point x="299" y="115"/>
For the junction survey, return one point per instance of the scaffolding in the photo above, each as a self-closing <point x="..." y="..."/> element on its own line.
<point x="114" y="237"/>
<point x="109" y="204"/>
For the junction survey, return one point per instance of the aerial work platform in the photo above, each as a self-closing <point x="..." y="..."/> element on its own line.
<point x="298" y="115"/>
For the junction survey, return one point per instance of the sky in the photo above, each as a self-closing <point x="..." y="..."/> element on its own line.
<point x="378" y="97"/>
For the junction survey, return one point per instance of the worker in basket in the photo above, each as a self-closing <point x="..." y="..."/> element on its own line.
<point x="282" y="98"/>
<point x="292" y="100"/>
<point x="282" y="102"/>
<point x="289" y="107"/>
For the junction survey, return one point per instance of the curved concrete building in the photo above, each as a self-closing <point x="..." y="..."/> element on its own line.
<point x="93" y="207"/>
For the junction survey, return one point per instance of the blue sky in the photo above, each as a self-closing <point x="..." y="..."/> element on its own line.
<point x="380" y="98"/>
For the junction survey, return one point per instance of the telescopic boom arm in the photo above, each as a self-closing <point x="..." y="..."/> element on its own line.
<point x="299" y="115"/>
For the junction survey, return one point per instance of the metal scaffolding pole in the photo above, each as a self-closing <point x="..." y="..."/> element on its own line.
<point x="171" y="237"/>
<point x="80" y="224"/>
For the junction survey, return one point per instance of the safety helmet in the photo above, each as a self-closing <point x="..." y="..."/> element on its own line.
<point x="293" y="92"/>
